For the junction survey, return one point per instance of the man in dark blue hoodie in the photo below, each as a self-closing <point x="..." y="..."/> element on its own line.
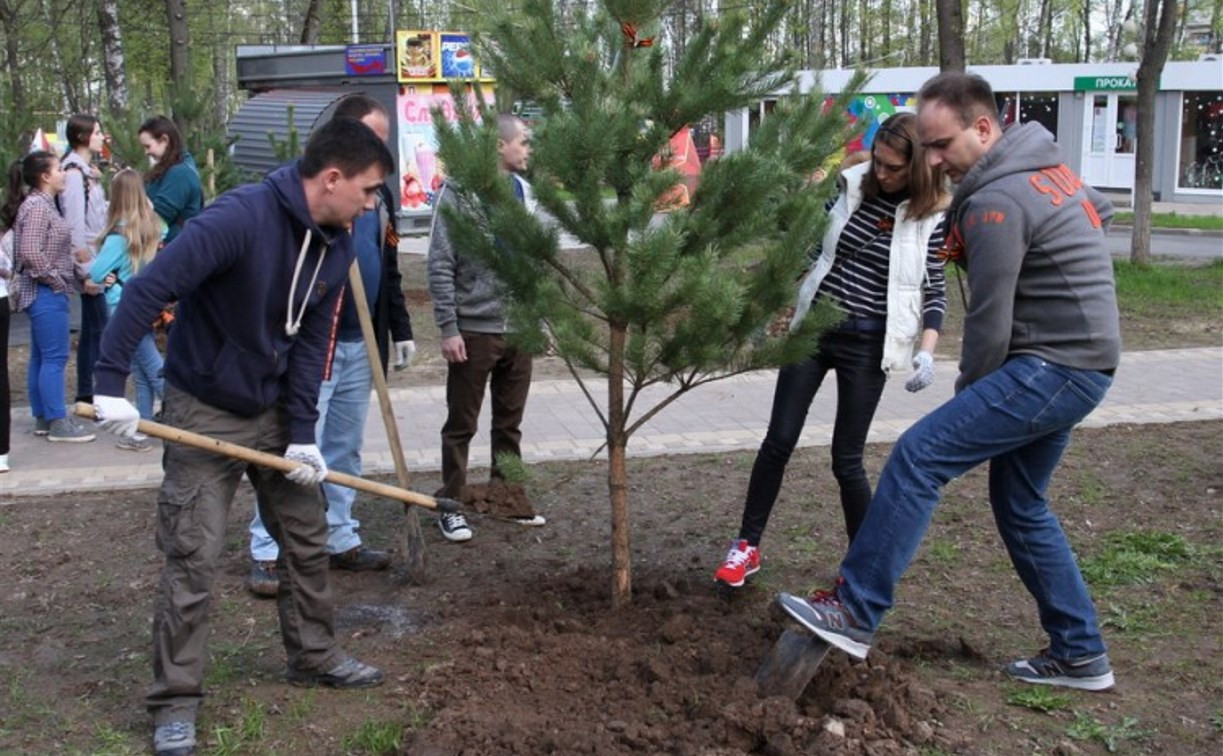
<point x="257" y="277"/>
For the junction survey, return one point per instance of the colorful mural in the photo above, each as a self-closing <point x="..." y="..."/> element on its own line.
<point x="875" y="109"/>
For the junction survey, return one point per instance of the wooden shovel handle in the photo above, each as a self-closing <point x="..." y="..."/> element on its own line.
<point x="187" y="438"/>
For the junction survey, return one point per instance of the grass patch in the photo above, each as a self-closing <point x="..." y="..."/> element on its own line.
<point x="1143" y="289"/>
<point x="1087" y="727"/>
<point x="374" y="738"/>
<point x="1174" y="220"/>
<point x="1135" y="557"/>
<point x="1039" y="699"/>
<point x="1137" y="621"/>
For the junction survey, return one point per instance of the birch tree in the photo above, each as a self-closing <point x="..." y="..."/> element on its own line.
<point x="114" y="65"/>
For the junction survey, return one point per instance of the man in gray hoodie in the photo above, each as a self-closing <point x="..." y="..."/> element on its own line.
<point x="1041" y="343"/>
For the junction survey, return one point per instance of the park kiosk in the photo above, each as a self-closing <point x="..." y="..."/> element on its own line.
<point x="301" y="85"/>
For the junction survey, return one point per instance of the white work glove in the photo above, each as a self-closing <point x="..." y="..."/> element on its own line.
<point x="404" y="352"/>
<point x="311" y="468"/>
<point x="923" y="372"/>
<point x="116" y="414"/>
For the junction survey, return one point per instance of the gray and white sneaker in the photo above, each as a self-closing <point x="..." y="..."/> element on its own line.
<point x="1089" y="673"/>
<point x="823" y="614"/>
<point x="65" y="430"/>
<point x="454" y="527"/>
<point x="137" y="443"/>
<point x="174" y="739"/>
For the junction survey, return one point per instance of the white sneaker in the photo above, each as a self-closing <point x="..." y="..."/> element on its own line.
<point x="454" y="527"/>
<point x="533" y="521"/>
<point x="4" y="463"/>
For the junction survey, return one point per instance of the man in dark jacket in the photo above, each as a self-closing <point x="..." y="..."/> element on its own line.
<point x="1041" y="343"/>
<point x="257" y="277"/>
<point x="345" y="393"/>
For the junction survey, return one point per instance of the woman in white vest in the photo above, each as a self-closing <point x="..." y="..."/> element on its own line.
<point x="880" y="262"/>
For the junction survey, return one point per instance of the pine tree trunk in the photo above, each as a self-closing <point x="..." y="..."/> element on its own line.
<point x="950" y="35"/>
<point x="617" y="469"/>
<point x="9" y="23"/>
<point x="314" y="20"/>
<point x="114" y="64"/>
<point x="180" y="39"/>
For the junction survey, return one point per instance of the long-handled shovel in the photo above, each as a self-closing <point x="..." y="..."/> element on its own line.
<point x="275" y="462"/>
<point x="411" y="540"/>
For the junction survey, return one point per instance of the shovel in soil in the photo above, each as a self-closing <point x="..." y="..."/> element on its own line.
<point x="275" y="462"/>
<point x="790" y="665"/>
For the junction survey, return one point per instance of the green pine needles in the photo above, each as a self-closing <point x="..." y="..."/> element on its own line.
<point x="681" y="298"/>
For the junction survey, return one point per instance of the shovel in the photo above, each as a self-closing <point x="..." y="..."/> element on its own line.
<point x="275" y="462"/>
<point x="790" y="665"/>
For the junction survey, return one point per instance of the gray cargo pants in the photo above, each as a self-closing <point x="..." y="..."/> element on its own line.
<point x="192" y="510"/>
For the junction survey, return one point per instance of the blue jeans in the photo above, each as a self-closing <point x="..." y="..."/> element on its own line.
<point x="94" y="314"/>
<point x="49" y="346"/>
<point x="147" y="367"/>
<point x="343" y="404"/>
<point x="1018" y="418"/>
<point x="856" y="358"/>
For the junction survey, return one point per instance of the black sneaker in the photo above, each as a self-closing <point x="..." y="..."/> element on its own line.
<point x="825" y="615"/>
<point x="41" y="426"/>
<point x="263" y="581"/>
<point x="349" y="673"/>
<point x="1091" y="673"/>
<point x="454" y="527"/>
<point x="174" y="739"/>
<point x="360" y="559"/>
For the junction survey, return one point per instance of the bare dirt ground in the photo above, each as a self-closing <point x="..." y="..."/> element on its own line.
<point x="512" y="646"/>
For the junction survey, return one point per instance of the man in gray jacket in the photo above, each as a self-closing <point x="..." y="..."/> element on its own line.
<point x="1041" y="342"/>
<point x="470" y="311"/>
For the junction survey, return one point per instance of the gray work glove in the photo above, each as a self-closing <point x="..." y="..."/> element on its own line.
<point x="404" y="352"/>
<point x="116" y="414"/>
<point x="923" y="372"/>
<point x="311" y="468"/>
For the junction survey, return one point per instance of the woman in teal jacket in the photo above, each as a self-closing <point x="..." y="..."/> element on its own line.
<point x="173" y="183"/>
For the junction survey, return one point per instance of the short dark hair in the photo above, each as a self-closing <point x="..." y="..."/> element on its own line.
<point x="346" y="144"/>
<point x="358" y="106"/>
<point x="968" y="95"/>
<point x="509" y="126"/>
<point x="79" y="130"/>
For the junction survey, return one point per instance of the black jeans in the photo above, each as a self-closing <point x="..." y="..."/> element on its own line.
<point x="856" y="358"/>
<point x="5" y="398"/>
<point x="89" y="343"/>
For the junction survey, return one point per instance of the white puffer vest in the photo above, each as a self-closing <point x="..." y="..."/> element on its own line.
<point x="906" y="270"/>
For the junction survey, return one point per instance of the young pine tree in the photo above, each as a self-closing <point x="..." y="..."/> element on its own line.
<point x="681" y="299"/>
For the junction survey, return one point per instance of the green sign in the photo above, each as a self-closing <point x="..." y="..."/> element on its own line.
<point x="1104" y="84"/>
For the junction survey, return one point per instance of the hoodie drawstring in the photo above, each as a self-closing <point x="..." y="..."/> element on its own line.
<point x="292" y="326"/>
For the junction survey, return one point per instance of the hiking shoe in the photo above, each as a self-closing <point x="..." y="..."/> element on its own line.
<point x="349" y="673"/>
<point x="530" y="521"/>
<point x="742" y="560"/>
<point x="264" y="580"/>
<point x="824" y="614"/>
<point x="454" y="527"/>
<point x="1091" y="673"/>
<point x="41" y="426"/>
<point x="360" y="559"/>
<point x="174" y="739"/>
<point x="137" y="443"/>
<point x="66" y="430"/>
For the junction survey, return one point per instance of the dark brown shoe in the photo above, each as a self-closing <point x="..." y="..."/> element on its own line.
<point x="360" y="559"/>
<point x="264" y="581"/>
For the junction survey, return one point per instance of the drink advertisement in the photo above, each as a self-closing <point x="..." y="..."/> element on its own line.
<point x="420" y="172"/>
<point x="457" y="61"/>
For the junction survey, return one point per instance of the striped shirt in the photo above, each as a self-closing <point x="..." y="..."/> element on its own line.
<point x="43" y="250"/>
<point x="858" y="279"/>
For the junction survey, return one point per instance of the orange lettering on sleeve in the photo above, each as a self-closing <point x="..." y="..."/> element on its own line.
<point x="1092" y="215"/>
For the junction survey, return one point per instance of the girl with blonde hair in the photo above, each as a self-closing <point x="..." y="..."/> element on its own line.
<point x="131" y="237"/>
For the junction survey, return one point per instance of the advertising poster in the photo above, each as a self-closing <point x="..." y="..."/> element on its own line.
<point x="416" y="56"/>
<point x="364" y="60"/>
<point x="420" y="172"/>
<point x="456" y="57"/>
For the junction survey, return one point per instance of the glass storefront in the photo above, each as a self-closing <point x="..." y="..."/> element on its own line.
<point x="1040" y="107"/>
<point x="1201" y="153"/>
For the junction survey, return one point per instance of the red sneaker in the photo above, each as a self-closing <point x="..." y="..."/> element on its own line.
<point x="742" y="560"/>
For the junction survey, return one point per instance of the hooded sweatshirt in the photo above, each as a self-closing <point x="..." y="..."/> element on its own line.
<point x="1031" y="235"/>
<point x="231" y="271"/>
<point x="178" y="195"/>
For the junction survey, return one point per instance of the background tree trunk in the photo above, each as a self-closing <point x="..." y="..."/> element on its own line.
<point x="1157" y="33"/>
<point x="1085" y="14"/>
<point x="114" y="65"/>
<point x="314" y="20"/>
<point x="70" y="100"/>
<point x="180" y="39"/>
<point x="950" y="35"/>
<point x="12" y="54"/>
